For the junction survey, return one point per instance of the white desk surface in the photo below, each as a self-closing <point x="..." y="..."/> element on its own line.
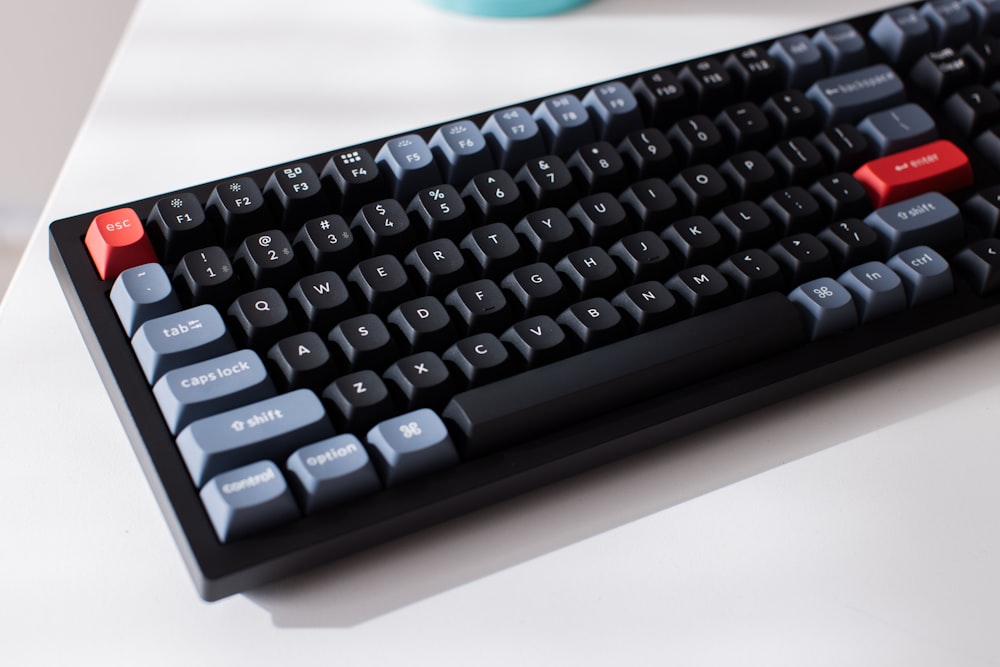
<point x="857" y="525"/>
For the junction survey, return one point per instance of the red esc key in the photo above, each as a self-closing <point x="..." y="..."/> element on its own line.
<point x="117" y="241"/>
<point x="939" y="166"/>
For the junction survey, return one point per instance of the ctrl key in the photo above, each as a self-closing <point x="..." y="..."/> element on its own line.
<point x="248" y="500"/>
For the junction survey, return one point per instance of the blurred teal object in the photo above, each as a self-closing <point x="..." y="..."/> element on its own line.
<point x="508" y="8"/>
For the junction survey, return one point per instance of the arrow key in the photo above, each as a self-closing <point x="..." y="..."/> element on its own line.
<point x="980" y="264"/>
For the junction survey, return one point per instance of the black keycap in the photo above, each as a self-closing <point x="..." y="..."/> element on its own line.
<point x="547" y="181"/>
<point x="494" y="248"/>
<point x="479" y="306"/>
<point x="973" y="109"/>
<point x="321" y="300"/>
<point x="702" y="288"/>
<point x="951" y="21"/>
<point x="746" y="225"/>
<point x="983" y="210"/>
<point x="240" y="205"/>
<point x="480" y="359"/>
<point x="495" y="196"/>
<point x="592" y="322"/>
<point x="381" y="282"/>
<point x="260" y="318"/>
<point x="841" y="196"/>
<point x="940" y="73"/>
<point x="177" y="224"/>
<point x="301" y="361"/>
<point x="442" y="211"/>
<point x="794" y="210"/>
<point x="851" y="242"/>
<point x="600" y="218"/>
<point x="758" y="73"/>
<point x="363" y="342"/>
<point x="983" y="55"/>
<point x="844" y="147"/>
<point x="439" y="264"/>
<point x="328" y="243"/>
<point x="696" y="240"/>
<point x="745" y="126"/>
<point x="647" y="153"/>
<point x="296" y="192"/>
<point x="750" y="175"/>
<point x="697" y="139"/>
<point x="651" y="203"/>
<point x="537" y="340"/>
<point x="752" y="273"/>
<point x="599" y="167"/>
<point x="591" y="271"/>
<point x="979" y="263"/>
<point x="703" y="187"/>
<point x="711" y="83"/>
<point x="206" y="276"/>
<point x="354" y="174"/>
<point x="385" y="225"/>
<point x="662" y="97"/>
<point x="421" y="380"/>
<point x="266" y="259"/>
<point x="643" y="255"/>
<point x="548" y="232"/>
<point x="424" y="324"/>
<point x="536" y="288"/>
<point x="798" y="160"/>
<point x="647" y="305"/>
<point x="359" y="401"/>
<point x="802" y="257"/>
<point x="791" y="114"/>
<point x="520" y="408"/>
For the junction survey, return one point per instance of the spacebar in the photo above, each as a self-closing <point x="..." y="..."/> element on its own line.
<point x="518" y="408"/>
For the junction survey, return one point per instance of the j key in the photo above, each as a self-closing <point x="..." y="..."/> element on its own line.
<point x="697" y="139"/>
<point x="792" y="114"/>
<point x="841" y="196"/>
<point x="179" y="339"/>
<point x="643" y="255"/>
<point x="357" y="178"/>
<point x="142" y="293"/>
<point x="514" y="137"/>
<point x="710" y="82"/>
<point x="593" y="323"/>
<point x="600" y="218"/>
<point x="758" y="74"/>
<point x="662" y="97"/>
<point x="363" y="342"/>
<point x="302" y="361"/>
<point x="442" y="211"/>
<point x="600" y="167"/>
<point x="331" y="471"/>
<point x="328" y="243"/>
<point x="702" y="187"/>
<point x="802" y="257"/>
<point x="652" y="203"/>
<point x="745" y="126"/>
<point x="547" y="181"/>
<point x="940" y="73"/>
<point x="614" y="109"/>
<point x="177" y="224"/>
<point x="522" y="407"/>
<point x="702" y="288"/>
<point x="843" y="147"/>
<point x="951" y="21"/>
<point x="461" y="151"/>
<point x="479" y="306"/>
<point x="267" y="259"/>
<point x="423" y="323"/>
<point x="899" y="128"/>
<point x="409" y="164"/>
<point x="207" y="387"/>
<point x="385" y="225"/>
<point x="360" y="400"/>
<point x="973" y="109"/>
<point x="842" y="47"/>
<point x="479" y="359"/>
<point x="381" y="282"/>
<point x="752" y="273"/>
<point x="410" y="445"/>
<point x="421" y="380"/>
<point x="565" y="123"/>
<point x="800" y="58"/>
<point x="271" y="428"/>
<point x="548" y="232"/>
<point x="851" y="242"/>
<point x="260" y="318"/>
<point x="695" y="240"/>
<point x="321" y="300"/>
<point x="495" y="195"/>
<point x="648" y="153"/>
<point x="928" y="219"/>
<point x="648" y="305"/>
<point x="296" y="191"/>
<point x="903" y="35"/>
<point x="794" y="209"/>
<point x="591" y="271"/>
<point x="240" y="205"/>
<point x="939" y="165"/>
<point x="746" y="225"/>
<point x="847" y="98"/>
<point x="538" y="340"/>
<point x="750" y="175"/>
<point x="536" y="288"/>
<point x="439" y="264"/>
<point x="248" y="500"/>
<point x="494" y="248"/>
<point x="206" y="276"/>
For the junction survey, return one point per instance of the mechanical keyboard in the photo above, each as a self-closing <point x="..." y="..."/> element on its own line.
<point x="313" y="358"/>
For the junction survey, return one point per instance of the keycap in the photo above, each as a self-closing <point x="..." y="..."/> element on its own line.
<point x="802" y="60"/>
<point x="409" y="163"/>
<point x="898" y="129"/>
<point x="980" y="263"/>
<point x="565" y="123"/>
<point x="247" y="500"/>
<point x="178" y="224"/>
<point x="939" y="165"/>
<point x="240" y="205"/>
<point x="850" y="97"/>
<point x="902" y="34"/>
<point x="930" y="219"/>
<point x="842" y="47"/>
<point x="410" y="445"/>
<point x="926" y="275"/>
<point x="876" y="289"/>
<point x="116" y="241"/>
<point x="331" y="472"/>
<point x="827" y="307"/>
<point x="142" y="293"/>
<point x="461" y="149"/>
<point x="178" y="339"/>
<point x="513" y="136"/>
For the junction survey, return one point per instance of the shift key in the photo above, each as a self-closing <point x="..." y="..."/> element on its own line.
<point x="269" y="429"/>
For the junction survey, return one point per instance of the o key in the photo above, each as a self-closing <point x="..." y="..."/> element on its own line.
<point x="939" y="166"/>
<point x="117" y="241"/>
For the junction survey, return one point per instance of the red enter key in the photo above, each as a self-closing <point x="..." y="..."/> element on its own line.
<point x="939" y="166"/>
<point x="117" y="241"/>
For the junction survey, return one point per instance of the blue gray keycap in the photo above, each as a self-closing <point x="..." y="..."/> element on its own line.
<point x="332" y="471"/>
<point x="876" y="289"/>
<point x="409" y="160"/>
<point x="842" y="46"/>
<point x="247" y="500"/>
<point x="847" y="98"/>
<point x="902" y="34"/>
<point x="515" y="137"/>
<point x="801" y="59"/>
<point x="142" y="293"/>
<point x="899" y="128"/>
<point x="461" y="150"/>
<point x="207" y="387"/>
<point x="928" y="219"/>
<point x="181" y="338"/>
<point x="565" y="123"/>
<point x="411" y="445"/>
<point x="615" y="110"/>
<point x="827" y="307"/>
<point x="271" y="429"/>
<point x="925" y="274"/>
